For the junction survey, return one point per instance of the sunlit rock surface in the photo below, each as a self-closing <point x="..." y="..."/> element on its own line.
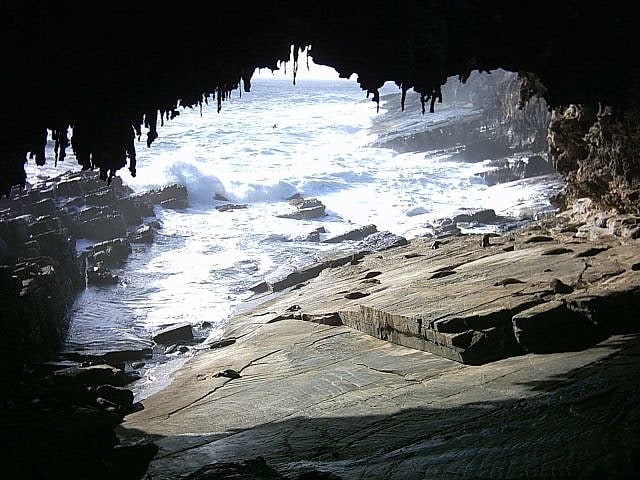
<point x="315" y="395"/>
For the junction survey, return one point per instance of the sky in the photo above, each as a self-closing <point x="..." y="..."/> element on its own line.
<point x="314" y="72"/>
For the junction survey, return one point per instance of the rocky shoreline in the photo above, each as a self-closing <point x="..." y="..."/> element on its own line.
<point x="329" y="349"/>
<point x="520" y="344"/>
<point x="78" y="398"/>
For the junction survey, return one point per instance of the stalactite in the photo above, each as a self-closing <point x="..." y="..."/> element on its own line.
<point x="60" y="137"/>
<point x="151" y="122"/>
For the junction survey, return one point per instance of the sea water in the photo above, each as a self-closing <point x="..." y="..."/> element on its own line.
<point x="315" y="138"/>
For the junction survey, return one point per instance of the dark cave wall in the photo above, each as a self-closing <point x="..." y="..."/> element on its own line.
<point x="119" y="70"/>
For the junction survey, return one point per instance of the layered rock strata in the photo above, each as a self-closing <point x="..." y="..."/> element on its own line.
<point x="41" y="269"/>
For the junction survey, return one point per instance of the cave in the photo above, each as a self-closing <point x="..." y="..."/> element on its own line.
<point x="104" y="86"/>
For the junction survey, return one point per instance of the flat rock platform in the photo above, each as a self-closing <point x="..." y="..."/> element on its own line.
<point x="524" y="364"/>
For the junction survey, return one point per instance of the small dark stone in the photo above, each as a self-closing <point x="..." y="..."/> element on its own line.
<point x="225" y="342"/>
<point x="293" y="308"/>
<point x="538" y="239"/>
<point x="183" y="349"/>
<point x="229" y="373"/>
<point x="443" y="273"/>
<point x="591" y="252"/>
<point x="510" y="248"/>
<point x="484" y="242"/>
<point x="355" y="295"/>
<point x="559" y="287"/>
<point x="507" y="281"/>
<point x="557" y="251"/>
<point x="230" y="206"/>
<point x="372" y="274"/>
<point x="435" y="245"/>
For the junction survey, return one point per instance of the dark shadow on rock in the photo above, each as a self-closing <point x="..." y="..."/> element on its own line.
<point x="581" y="424"/>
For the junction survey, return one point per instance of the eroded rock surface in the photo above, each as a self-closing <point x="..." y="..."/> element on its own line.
<point x="323" y="395"/>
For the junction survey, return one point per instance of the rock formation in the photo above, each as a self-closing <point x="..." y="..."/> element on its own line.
<point x="98" y="81"/>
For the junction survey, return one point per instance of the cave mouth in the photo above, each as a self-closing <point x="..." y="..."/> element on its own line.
<point x="479" y="164"/>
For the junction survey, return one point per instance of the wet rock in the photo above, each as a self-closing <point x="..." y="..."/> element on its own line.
<point x="518" y="169"/>
<point x="314" y="235"/>
<point x="137" y="365"/>
<point x="171" y="196"/>
<point x="142" y="234"/>
<point x="220" y="198"/>
<point x="355" y="234"/>
<point x="45" y="224"/>
<point x="477" y="216"/>
<point x="102" y="227"/>
<point x="174" y="203"/>
<point x="174" y="334"/>
<point x="69" y="188"/>
<point x="231" y="206"/>
<point x="171" y="349"/>
<point x="130" y="210"/>
<point x="101" y="275"/>
<point x="42" y="207"/>
<point x="111" y="253"/>
<point x="380" y="241"/>
<point x="306" y="209"/>
<point x="260" y="287"/>
<point x="101" y="198"/>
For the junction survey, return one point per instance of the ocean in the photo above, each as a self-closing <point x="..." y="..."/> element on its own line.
<point x="317" y="138"/>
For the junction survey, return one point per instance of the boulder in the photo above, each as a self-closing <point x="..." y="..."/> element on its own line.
<point x="175" y="333"/>
<point x="376" y="242"/>
<point x="478" y="216"/>
<point x="306" y="209"/>
<point x="355" y="234"/>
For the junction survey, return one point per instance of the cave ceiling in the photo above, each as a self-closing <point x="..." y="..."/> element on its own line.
<point x="116" y="70"/>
